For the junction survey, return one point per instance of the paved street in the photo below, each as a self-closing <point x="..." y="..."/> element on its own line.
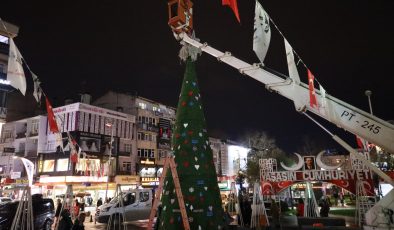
<point x="136" y="225"/>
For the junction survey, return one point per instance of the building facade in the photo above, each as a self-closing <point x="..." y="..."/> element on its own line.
<point x="154" y="122"/>
<point x="104" y="137"/>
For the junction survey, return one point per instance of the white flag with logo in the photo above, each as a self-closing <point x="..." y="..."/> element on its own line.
<point x="262" y="32"/>
<point x="293" y="73"/>
<point x="15" y="73"/>
<point x="37" y="93"/>
<point x="29" y="166"/>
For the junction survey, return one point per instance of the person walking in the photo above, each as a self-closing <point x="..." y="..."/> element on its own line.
<point x="78" y="223"/>
<point x="59" y="206"/>
<point x="65" y="222"/>
<point x="99" y="202"/>
<point x="76" y="208"/>
<point x="275" y="213"/>
<point x="300" y="207"/>
<point x="325" y="207"/>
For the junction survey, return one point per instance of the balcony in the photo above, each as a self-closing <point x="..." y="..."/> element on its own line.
<point x="124" y="173"/>
<point x="21" y="135"/>
<point x="123" y="153"/>
<point x="148" y="127"/>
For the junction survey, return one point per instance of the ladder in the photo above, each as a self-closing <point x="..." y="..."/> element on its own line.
<point x="258" y="209"/>
<point x="363" y="203"/>
<point x="115" y="220"/>
<point x="24" y="214"/>
<point x="169" y="163"/>
<point x="311" y="207"/>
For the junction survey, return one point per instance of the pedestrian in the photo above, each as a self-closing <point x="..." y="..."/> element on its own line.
<point x="335" y="195"/>
<point x="275" y="213"/>
<point x="65" y="222"/>
<point x="247" y="211"/>
<point x="58" y="210"/>
<point x="76" y="208"/>
<point x="342" y="199"/>
<point x="325" y="207"/>
<point x="300" y="207"/>
<point x="99" y="202"/>
<point x="78" y="223"/>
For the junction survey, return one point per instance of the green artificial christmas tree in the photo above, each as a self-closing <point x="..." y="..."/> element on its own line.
<point x="195" y="167"/>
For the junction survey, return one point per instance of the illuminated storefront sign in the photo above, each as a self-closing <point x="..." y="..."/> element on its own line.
<point x="149" y="181"/>
<point x="127" y="179"/>
<point x="71" y="179"/>
<point x="146" y="161"/>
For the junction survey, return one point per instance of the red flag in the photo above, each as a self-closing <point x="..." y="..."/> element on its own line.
<point x="312" y="93"/>
<point x="233" y="5"/>
<point x="51" y="118"/>
<point x="362" y="144"/>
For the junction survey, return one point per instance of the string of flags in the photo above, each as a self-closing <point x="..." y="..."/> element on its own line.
<point x="16" y="77"/>
<point x="261" y="42"/>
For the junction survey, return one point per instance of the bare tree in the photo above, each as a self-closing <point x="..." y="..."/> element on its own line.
<point x="262" y="146"/>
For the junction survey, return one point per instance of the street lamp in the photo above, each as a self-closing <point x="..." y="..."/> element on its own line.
<point x="29" y="167"/>
<point x="368" y="93"/>
<point x="109" y="124"/>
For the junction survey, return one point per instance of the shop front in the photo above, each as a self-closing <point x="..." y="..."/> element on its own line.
<point x="88" y="188"/>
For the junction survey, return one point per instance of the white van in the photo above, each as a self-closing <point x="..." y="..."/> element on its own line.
<point x="137" y="206"/>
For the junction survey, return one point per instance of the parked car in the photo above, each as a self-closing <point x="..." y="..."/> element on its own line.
<point x="43" y="213"/>
<point x="137" y="206"/>
<point x="5" y="199"/>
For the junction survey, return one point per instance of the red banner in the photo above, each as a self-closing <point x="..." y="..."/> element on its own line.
<point x="275" y="182"/>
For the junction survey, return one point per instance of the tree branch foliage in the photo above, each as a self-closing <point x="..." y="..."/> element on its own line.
<point x="262" y="146"/>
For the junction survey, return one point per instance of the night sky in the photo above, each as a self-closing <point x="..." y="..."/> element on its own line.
<point x="127" y="46"/>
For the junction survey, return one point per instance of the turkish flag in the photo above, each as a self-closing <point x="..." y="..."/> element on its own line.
<point x="233" y="5"/>
<point x="51" y="117"/>
<point x="312" y="93"/>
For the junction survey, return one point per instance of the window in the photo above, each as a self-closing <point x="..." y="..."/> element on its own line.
<point x="129" y="198"/>
<point x="150" y="153"/>
<point x="142" y="105"/>
<point x="128" y="148"/>
<point x="126" y="166"/>
<point x="62" y="165"/>
<point x="4" y="39"/>
<point x="49" y="166"/>
<point x="139" y="136"/>
<point x="139" y="119"/>
<point x="34" y="127"/>
<point x="2" y="68"/>
<point x="154" y="108"/>
<point x="144" y="196"/>
<point x="162" y="153"/>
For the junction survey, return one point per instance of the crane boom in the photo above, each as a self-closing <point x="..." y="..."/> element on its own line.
<point x="338" y="112"/>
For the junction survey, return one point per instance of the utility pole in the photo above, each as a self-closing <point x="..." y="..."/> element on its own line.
<point x="109" y="124"/>
<point x="368" y="93"/>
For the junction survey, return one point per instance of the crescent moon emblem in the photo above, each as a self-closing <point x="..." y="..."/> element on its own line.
<point x="324" y="166"/>
<point x="367" y="184"/>
<point x="269" y="186"/>
<point x="280" y="184"/>
<point x="345" y="183"/>
<point x="296" y="167"/>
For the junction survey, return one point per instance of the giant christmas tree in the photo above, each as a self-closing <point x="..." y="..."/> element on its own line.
<point x="195" y="166"/>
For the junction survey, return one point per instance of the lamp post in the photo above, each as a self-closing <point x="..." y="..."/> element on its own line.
<point x="109" y="124"/>
<point x="368" y="93"/>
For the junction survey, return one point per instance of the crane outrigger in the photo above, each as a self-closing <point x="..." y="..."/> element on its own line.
<point x="334" y="110"/>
